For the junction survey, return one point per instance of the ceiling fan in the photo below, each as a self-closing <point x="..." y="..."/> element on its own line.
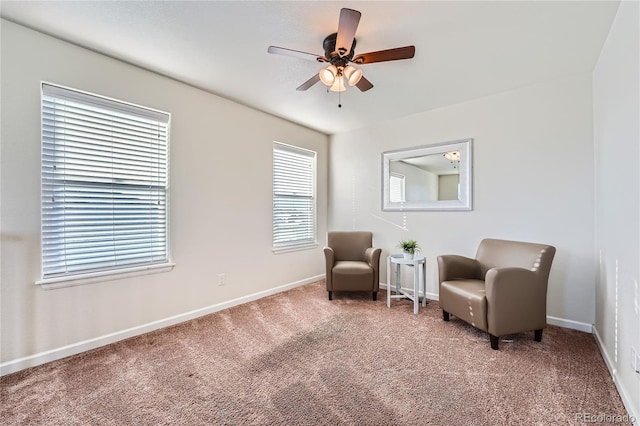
<point x="339" y="53"/>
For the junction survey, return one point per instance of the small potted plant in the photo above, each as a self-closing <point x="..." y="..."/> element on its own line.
<point x="409" y="248"/>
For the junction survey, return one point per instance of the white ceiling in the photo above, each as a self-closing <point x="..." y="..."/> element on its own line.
<point x="464" y="50"/>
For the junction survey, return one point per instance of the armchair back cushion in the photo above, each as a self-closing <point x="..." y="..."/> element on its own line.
<point x="350" y="245"/>
<point x="502" y="253"/>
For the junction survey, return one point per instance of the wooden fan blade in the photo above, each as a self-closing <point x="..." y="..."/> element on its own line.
<point x="347" y="27"/>
<point x="364" y="84"/>
<point x="313" y="80"/>
<point x="296" y="54"/>
<point x="406" y="52"/>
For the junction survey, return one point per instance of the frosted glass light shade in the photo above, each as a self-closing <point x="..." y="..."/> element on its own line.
<point x="338" y="85"/>
<point x="353" y="75"/>
<point x="328" y="75"/>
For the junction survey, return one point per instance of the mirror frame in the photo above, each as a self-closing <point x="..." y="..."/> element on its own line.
<point x="464" y="201"/>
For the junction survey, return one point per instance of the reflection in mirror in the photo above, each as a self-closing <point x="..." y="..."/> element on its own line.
<point x="427" y="178"/>
<point x="431" y="177"/>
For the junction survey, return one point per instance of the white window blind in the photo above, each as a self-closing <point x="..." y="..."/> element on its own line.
<point x="396" y="188"/>
<point x="104" y="184"/>
<point x="294" y="203"/>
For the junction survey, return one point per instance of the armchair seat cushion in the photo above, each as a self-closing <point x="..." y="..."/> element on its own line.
<point x="354" y="275"/>
<point x="467" y="299"/>
<point x="351" y="267"/>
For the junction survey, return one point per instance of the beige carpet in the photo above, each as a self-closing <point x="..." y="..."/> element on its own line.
<point x="298" y="359"/>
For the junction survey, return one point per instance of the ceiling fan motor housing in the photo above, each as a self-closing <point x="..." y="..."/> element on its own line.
<point x="329" y="45"/>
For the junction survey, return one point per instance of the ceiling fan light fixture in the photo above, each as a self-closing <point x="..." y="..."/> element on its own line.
<point x="353" y="74"/>
<point x="339" y="49"/>
<point x="338" y="85"/>
<point x="328" y="75"/>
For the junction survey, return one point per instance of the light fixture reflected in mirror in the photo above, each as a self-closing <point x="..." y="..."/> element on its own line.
<point x="453" y="156"/>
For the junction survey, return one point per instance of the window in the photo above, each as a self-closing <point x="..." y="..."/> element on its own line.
<point x="104" y="185"/>
<point x="396" y="188"/>
<point x="294" y="202"/>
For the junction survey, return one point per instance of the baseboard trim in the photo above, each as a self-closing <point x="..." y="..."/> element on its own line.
<point x="566" y="323"/>
<point x="624" y="395"/>
<point x="560" y="322"/>
<point x="76" y="348"/>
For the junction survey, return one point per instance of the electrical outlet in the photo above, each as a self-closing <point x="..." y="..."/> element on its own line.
<point x="221" y="279"/>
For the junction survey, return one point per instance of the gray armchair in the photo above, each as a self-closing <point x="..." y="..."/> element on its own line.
<point x="352" y="264"/>
<point x="502" y="291"/>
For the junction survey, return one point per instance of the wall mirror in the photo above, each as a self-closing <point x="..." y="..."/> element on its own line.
<point x="428" y="177"/>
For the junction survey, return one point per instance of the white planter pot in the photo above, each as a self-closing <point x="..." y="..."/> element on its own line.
<point x="408" y="256"/>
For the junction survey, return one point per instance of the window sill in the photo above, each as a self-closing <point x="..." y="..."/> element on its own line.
<point x="95" y="277"/>
<point x="300" y="247"/>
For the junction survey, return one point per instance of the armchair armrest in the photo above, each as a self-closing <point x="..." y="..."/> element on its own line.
<point x="329" y="257"/>
<point x="516" y="300"/>
<point x="372" y="255"/>
<point x="452" y="266"/>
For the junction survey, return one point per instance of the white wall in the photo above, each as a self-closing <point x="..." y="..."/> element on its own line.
<point x="532" y="181"/>
<point x="220" y="203"/>
<point x="617" y="188"/>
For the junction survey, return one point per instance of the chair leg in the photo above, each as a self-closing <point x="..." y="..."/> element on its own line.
<point x="330" y="295"/>
<point x="494" y="342"/>
<point x="538" y="335"/>
<point x="445" y="315"/>
<point x="375" y="295"/>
